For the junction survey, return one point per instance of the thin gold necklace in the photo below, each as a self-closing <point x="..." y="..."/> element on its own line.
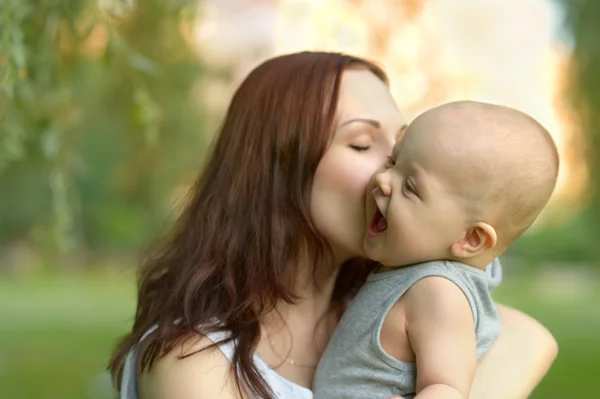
<point x="288" y="359"/>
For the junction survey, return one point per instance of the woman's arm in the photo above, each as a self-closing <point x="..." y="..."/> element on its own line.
<point x="204" y="375"/>
<point x="517" y="361"/>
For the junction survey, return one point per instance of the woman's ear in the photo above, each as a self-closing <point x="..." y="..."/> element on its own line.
<point x="476" y="239"/>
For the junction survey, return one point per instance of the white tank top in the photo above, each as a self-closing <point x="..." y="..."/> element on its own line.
<point x="281" y="387"/>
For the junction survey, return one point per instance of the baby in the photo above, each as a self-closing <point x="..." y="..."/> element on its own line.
<point x="467" y="179"/>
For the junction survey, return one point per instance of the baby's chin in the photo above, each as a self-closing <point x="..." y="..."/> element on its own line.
<point x="370" y="250"/>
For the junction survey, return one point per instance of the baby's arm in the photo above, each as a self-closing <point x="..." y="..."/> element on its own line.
<point x="441" y="331"/>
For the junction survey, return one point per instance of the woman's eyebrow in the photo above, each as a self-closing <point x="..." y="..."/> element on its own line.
<point x="371" y="122"/>
<point x="375" y="124"/>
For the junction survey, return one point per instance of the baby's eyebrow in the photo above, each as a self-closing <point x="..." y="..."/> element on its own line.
<point x="401" y="131"/>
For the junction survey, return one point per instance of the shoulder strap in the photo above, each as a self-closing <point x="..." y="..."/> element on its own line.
<point x="129" y="377"/>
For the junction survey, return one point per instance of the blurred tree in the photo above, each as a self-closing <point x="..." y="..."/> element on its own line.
<point x="576" y="240"/>
<point x="582" y="20"/>
<point x="96" y="122"/>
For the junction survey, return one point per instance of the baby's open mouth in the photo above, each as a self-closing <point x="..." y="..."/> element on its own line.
<point x="378" y="224"/>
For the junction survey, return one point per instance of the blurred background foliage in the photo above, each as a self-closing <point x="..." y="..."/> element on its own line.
<point x="576" y="240"/>
<point x="96" y="121"/>
<point x="100" y="133"/>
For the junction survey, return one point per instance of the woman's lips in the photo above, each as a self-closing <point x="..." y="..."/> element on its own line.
<point x="377" y="225"/>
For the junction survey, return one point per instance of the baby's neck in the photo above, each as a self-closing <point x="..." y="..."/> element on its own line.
<point x="479" y="262"/>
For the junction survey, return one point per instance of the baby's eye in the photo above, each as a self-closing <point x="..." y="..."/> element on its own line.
<point x="390" y="162"/>
<point x="359" y="148"/>
<point x="409" y="186"/>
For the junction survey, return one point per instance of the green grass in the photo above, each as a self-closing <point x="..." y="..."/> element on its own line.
<point x="571" y="311"/>
<point x="56" y="333"/>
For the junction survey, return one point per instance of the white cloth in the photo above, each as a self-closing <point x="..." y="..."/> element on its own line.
<point x="281" y="387"/>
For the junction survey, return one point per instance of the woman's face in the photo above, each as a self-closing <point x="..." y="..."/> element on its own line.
<point x="368" y="124"/>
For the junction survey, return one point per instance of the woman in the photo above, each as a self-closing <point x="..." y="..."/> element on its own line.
<point x="267" y="251"/>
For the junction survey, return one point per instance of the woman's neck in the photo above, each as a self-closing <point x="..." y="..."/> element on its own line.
<point x="315" y="294"/>
<point x="312" y="314"/>
<point x="294" y="335"/>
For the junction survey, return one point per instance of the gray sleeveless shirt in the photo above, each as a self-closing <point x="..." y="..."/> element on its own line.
<point x="355" y="365"/>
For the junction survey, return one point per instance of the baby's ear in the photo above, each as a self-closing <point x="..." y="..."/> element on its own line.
<point x="476" y="239"/>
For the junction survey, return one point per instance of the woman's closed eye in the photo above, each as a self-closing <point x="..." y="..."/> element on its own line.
<point x="359" y="148"/>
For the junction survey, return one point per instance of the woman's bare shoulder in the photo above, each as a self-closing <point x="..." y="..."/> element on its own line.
<point x="206" y="374"/>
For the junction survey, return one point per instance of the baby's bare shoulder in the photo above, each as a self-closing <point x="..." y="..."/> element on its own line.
<point x="434" y="294"/>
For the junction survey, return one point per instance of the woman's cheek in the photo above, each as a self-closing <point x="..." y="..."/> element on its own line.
<point x="339" y="198"/>
<point x="363" y="185"/>
<point x="375" y="166"/>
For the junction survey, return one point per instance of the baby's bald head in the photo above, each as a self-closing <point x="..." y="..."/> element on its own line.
<point x="499" y="161"/>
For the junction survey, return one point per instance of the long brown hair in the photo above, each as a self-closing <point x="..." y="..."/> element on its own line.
<point x="234" y="251"/>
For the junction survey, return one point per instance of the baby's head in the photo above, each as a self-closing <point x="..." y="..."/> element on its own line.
<point x="467" y="179"/>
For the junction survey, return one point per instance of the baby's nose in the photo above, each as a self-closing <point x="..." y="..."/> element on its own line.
<point x="383" y="185"/>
